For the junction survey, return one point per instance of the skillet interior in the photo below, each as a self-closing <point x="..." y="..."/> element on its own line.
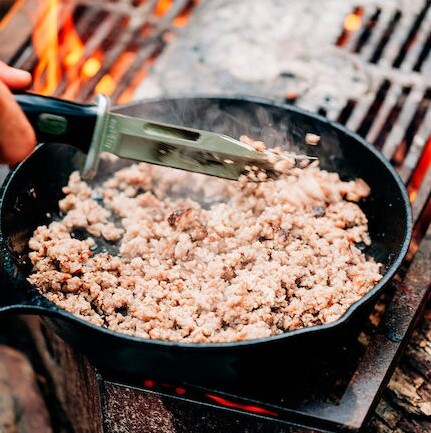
<point x="32" y="191"/>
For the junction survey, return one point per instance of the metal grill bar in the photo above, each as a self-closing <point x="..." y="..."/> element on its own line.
<point x="367" y="121"/>
<point x="426" y="50"/>
<point x="367" y="31"/>
<point x="346" y="112"/>
<point x="426" y="66"/>
<point x="362" y="107"/>
<point x="411" y="46"/>
<point x="387" y="114"/>
<point x="377" y="33"/>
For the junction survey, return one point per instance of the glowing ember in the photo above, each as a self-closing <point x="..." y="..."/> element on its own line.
<point x="162" y="7"/>
<point x="247" y="407"/>
<point x="57" y="54"/>
<point x="352" y="22"/>
<point x="106" y="85"/>
<point x="91" y="67"/>
<point x="4" y="21"/>
<point x="421" y="169"/>
<point x="72" y="58"/>
<point x="149" y="383"/>
<point x="180" y="21"/>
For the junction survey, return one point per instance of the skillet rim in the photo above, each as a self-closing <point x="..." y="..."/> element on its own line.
<point x="315" y="329"/>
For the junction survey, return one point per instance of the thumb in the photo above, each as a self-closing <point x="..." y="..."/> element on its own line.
<point x="14" y="78"/>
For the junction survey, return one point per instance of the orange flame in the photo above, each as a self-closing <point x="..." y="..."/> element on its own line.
<point x="65" y="65"/>
<point x="162" y="7"/>
<point x="56" y="54"/>
<point x="108" y="82"/>
<point x="47" y="72"/>
<point x="72" y="44"/>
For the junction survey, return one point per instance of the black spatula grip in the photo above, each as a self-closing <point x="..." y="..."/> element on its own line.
<point x="59" y="121"/>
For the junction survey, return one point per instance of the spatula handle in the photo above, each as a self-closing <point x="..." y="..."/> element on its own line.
<point x="59" y="121"/>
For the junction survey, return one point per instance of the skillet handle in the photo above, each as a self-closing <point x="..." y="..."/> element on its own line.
<point x="58" y="121"/>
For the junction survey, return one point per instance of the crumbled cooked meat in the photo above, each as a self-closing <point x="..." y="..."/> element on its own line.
<point x="259" y="146"/>
<point x="84" y="212"/>
<point x="259" y="259"/>
<point x="187" y="220"/>
<point x="312" y="139"/>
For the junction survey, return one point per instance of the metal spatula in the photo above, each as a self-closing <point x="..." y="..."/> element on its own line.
<point x="94" y="129"/>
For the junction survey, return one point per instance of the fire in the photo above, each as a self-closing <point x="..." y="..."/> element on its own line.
<point x="62" y="55"/>
<point x="245" y="406"/>
<point x="162" y="7"/>
<point x="66" y="66"/>
<point x="352" y="23"/>
<point x="57" y="54"/>
<point x="72" y="44"/>
<point x="47" y="72"/>
<point x="149" y="383"/>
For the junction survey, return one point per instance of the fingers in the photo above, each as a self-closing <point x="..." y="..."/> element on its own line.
<point x="17" y="138"/>
<point x="14" y="78"/>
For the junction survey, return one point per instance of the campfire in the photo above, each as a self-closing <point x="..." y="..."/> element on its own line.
<point x="78" y="49"/>
<point x="363" y="64"/>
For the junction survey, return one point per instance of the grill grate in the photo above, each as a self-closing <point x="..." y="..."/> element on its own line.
<point x="395" y="115"/>
<point x="123" y="56"/>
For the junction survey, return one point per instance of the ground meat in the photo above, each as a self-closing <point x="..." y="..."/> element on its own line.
<point x="247" y="260"/>
<point x="312" y="139"/>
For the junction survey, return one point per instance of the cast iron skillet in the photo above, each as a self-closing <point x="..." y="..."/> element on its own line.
<point x="30" y="194"/>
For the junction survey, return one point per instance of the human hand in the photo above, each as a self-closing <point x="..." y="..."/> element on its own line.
<point x="17" y="138"/>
